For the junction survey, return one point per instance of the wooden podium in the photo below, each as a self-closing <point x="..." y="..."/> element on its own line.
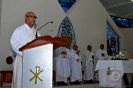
<point x="37" y="62"/>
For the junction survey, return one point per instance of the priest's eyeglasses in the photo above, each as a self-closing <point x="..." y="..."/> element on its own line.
<point x="32" y="16"/>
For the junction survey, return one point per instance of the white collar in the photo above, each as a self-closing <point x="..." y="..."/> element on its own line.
<point x="28" y="26"/>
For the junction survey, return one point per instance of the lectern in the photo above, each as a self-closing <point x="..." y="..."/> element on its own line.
<point x="37" y="65"/>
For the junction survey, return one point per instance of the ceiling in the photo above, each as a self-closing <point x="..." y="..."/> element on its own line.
<point x="119" y="8"/>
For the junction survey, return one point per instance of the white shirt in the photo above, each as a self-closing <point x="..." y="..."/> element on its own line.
<point x="99" y="54"/>
<point x="19" y="37"/>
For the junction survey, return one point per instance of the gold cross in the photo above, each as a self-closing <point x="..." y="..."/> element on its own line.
<point x="36" y="74"/>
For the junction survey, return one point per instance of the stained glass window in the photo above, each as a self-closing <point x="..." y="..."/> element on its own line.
<point x="66" y="4"/>
<point x="112" y="40"/>
<point x="66" y="29"/>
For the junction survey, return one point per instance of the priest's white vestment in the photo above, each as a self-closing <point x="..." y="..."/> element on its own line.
<point x="20" y="37"/>
<point x="89" y="66"/>
<point x="76" y="72"/>
<point x="99" y="54"/>
<point x="62" y="64"/>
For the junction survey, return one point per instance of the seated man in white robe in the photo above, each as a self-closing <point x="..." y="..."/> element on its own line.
<point x="62" y="65"/>
<point x="21" y="36"/>
<point x="89" y="65"/>
<point x="75" y="64"/>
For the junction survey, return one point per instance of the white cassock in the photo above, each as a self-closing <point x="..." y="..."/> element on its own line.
<point x="99" y="54"/>
<point x="62" y="64"/>
<point x="100" y="57"/>
<point x="20" y="37"/>
<point x="76" y="72"/>
<point x="89" y="66"/>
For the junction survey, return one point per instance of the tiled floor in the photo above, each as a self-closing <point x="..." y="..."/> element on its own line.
<point x="70" y="86"/>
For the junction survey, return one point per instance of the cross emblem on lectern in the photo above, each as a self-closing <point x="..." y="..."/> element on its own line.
<point x="36" y="74"/>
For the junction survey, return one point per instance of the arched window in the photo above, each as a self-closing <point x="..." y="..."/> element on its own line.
<point x="112" y="40"/>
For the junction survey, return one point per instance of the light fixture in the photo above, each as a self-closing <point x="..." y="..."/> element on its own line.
<point x="132" y="0"/>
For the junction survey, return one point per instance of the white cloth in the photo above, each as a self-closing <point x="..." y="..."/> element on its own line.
<point x="100" y="57"/>
<point x="110" y="57"/>
<point x="20" y="38"/>
<point x="104" y="79"/>
<point x="76" y="72"/>
<point x="62" y="64"/>
<point x="13" y="54"/>
<point x="89" y="66"/>
<point x="99" y="54"/>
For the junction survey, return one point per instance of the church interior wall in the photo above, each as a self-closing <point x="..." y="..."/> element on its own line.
<point x="87" y="16"/>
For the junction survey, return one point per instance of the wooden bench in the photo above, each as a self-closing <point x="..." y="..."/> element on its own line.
<point x="5" y="76"/>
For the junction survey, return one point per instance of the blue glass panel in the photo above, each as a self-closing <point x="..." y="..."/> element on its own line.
<point x="66" y="1"/>
<point x="114" y="18"/>
<point x="66" y="4"/>
<point x="112" y="39"/>
<point x="66" y="29"/>
<point x="122" y="22"/>
<point x="131" y="23"/>
<point x="65" y="7"/>
<point x="73" y="1"/>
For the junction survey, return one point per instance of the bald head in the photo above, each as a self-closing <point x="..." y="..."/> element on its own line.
<point x="28" y="13"/>
<point x="30" y="19"/>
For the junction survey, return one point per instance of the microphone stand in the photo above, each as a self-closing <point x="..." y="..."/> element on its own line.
<point x="129" y="52"/>
<point x="42" y="27"/>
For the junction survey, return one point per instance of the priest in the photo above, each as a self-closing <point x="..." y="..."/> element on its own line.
<point x="62" y="65"/>
<point x="75" y="64"/>
<point x="101" y="54"/>
<point x="21" y="36"/>
<point x="89" y="65"/>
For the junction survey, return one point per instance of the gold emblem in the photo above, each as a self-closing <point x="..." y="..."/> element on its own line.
<point x="64" y="56"/>
<point x="36" y="74"/>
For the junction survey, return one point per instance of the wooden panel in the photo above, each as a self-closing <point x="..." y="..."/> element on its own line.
<point x="68" y="39"/>
<point x="6" y="76"/>
<point x="43" y="40"/>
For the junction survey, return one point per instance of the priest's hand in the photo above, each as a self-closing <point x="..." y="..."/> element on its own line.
<point x="103" y="54"/>
<point x="78" y="52"/>
<point x="93" y="56"/>
<point x="63" y="52"/>
<point x="77" y="60"/>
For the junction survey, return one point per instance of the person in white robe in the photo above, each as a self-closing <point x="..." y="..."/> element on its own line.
<point x="101" y="54"/>
<point x="62" y="65"/>
<point x="75" y="65"/>
<point x="21" y="36"/>
<point x="89" y="65"/>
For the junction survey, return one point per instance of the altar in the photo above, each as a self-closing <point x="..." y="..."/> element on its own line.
<point x="111" y="72"/>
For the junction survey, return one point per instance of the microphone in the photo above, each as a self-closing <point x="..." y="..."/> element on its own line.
<point x="128" y="52"/>
<point x="42" y="27"/>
